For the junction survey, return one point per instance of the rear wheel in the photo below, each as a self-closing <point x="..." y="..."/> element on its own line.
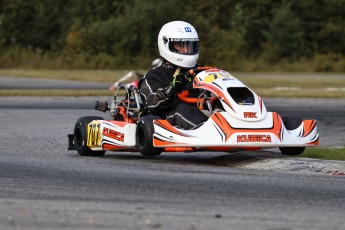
<point x="292" y="123"/>
<point x="80" y="137"/>
<point x="144" y="137"/>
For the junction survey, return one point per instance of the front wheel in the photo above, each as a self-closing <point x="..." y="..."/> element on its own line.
<point x="80" y="137"/>
<point x="144" y="137"/>
<point x="292" y="123"/>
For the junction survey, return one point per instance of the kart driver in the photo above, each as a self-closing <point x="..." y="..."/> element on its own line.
<point x="178" y="46"/>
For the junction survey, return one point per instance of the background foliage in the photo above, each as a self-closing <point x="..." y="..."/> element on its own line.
<point x="251" y="35"/>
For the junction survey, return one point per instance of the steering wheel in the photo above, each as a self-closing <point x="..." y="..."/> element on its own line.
<point x="192" y="72"/>
<point x="184" y="94"/>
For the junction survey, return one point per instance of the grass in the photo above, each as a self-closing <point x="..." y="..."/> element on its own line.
<point x="54" y="92"/>
<point x="73" y="75"/>
<point x="301" y="93"/>
<point x="325" y="153"/>
<point x="297" y="87"/>
<point x="265" y="85"/>
<point x="304" y="81"/>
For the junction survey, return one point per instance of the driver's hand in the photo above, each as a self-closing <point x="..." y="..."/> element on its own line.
<point x="180" y="80"/>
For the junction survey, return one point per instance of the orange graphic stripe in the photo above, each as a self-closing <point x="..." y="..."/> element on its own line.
<point x="157" y="143"/>
<point x="309" y="126"/>
<point x="316" y="142"/>
<point x="277" y="125"/>
<point x="179" y="149"/>
<point x="260" y="103"/>
<point x="166" y="125"/>
<point x="111" y="147"/>
<point x="228" y="130"/>
<point x="223" y="125"/>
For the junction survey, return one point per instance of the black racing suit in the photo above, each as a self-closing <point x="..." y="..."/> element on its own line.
<point x="152" y="90"/>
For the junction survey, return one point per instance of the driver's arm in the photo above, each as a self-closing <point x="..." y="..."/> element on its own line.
<point x="155" y="99"/>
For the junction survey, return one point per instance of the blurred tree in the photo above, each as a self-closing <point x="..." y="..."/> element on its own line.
<point x="285" y="33"/>
<point x="32" y="24"/>
<point x="125" y="31"/>
<point x="324" y="24"/>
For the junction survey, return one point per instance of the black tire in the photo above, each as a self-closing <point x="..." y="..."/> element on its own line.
<point x="80" y="137"/>
<point x="144" y="137"/>
<point x="292" y="123"/>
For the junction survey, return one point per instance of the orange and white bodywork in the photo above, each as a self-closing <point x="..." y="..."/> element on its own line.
<point x="111" y="135"/>
<point x="223" y="130"/>
<point x="244" y="122"/>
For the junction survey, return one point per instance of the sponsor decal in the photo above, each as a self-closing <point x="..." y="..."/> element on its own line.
<point x="227" y="79"/>
<point x="253" y="138"/>
<point x="213" y="76"/>
<point x="113" y="134"/>
<point x="94" y="137"/>
<point x="249" y="115"/>
<point x="188" y="29"/>
<point x="184" y="39"/>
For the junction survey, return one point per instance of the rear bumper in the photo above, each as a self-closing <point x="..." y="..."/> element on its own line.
<point x="71" y="145"/>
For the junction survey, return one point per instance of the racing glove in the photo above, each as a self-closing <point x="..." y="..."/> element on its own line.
<point x="178" y="82"/>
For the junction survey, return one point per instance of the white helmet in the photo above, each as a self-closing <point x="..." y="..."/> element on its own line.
<point x="181" y="33"/>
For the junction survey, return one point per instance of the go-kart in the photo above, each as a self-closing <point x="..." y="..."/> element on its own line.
<point x="238" y="121"/>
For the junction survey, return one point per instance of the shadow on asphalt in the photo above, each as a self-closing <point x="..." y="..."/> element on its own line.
<point x="198" y="158"/>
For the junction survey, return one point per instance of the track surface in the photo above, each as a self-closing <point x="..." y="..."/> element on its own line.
<point x="44" y="186"/>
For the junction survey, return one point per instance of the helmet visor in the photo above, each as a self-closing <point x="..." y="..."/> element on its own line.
<point x="186" y="46"/>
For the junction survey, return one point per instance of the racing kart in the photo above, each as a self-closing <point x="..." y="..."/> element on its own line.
<point x="238" y="121"/>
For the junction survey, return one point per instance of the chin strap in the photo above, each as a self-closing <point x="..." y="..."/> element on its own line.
<point x="177" y="71"/>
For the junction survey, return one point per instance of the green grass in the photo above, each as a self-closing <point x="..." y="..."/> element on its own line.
<point x="303" y="81"/>
<point x="73" y="75"/>
<point x="325" y="153"/>
<point x="300" y="93"/>
<point x="54" y="92"/>
<point x="264" y="84"/>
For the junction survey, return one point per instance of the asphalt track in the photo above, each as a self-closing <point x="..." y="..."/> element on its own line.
<point x="44" y="186"/>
